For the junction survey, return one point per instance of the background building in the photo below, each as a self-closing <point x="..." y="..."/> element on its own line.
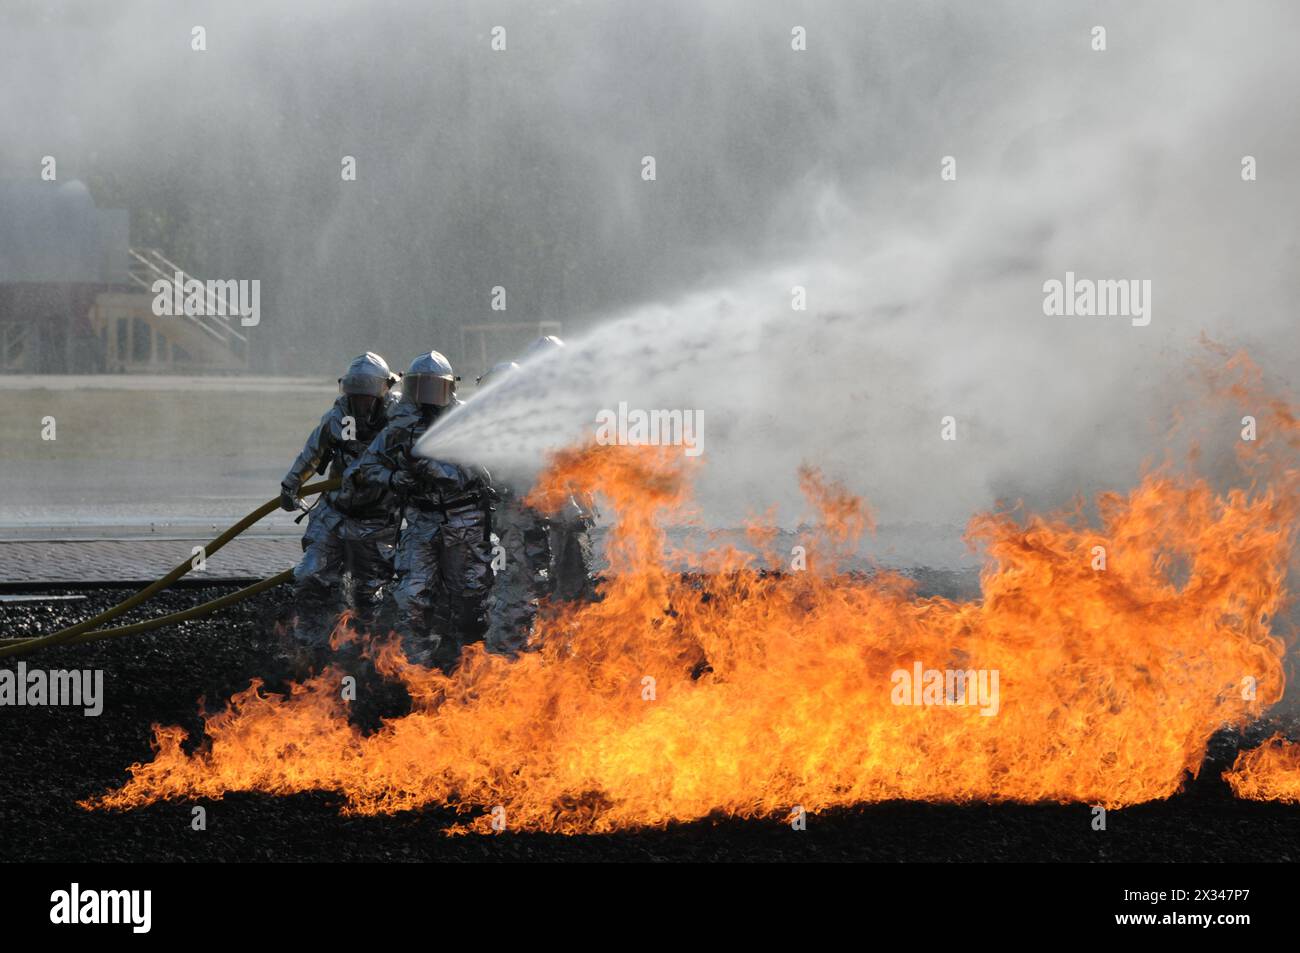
<point x="75" y="296"/>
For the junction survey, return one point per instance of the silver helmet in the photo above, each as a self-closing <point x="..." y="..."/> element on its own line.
<point x="367" y="374"/>
<point x="496" y="373"/>
<point x="429" y="380"/>
<point x="543" y="346"/>
<point x="365" y="382"/>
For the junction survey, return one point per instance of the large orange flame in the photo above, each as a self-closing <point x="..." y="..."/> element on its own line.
<point x="1118" y="650"/>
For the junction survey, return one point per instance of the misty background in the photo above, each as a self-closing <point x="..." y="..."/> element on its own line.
<point x="775" y="168"/>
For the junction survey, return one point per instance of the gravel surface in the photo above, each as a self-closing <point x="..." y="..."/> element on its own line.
<point x="53" y="757"/>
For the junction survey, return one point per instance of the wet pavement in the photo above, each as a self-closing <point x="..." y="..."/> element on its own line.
<point x="135" y="559"/>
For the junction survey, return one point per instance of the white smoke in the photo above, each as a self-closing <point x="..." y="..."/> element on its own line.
<point x="776" y="168"/>
<point x="925" y="298"/>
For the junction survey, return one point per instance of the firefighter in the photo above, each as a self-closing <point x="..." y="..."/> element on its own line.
<point x="444" y="553"/>
<point x="522" y="557"/>
<point x="571" y="575"/>
<point x="572" y="578"/>
<point x="352" y="534"/>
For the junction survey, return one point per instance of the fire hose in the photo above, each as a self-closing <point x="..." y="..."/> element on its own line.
<point x="88" y="630"/>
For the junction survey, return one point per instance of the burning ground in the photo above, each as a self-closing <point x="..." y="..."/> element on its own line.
<point x="725" y="696"/>
<point x="54" y="757"/>
<point x="733" y="691"/>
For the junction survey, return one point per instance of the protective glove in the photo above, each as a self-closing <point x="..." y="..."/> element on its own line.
<point x="288" y="497"/>
<point x="403" y="482"/>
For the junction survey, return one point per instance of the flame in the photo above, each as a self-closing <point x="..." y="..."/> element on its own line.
<point x="730" y="689"/>
<point x="1270" y="772"/>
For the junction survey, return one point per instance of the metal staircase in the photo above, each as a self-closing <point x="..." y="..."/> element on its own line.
<point x="149" y="265"/>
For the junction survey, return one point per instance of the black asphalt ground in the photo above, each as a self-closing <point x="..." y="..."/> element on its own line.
<point x="53" y="757"/>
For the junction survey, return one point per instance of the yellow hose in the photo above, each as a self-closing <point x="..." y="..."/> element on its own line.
<point x="87" y="631"/>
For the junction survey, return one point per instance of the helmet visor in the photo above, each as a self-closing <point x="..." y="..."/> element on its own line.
<point x="428" y="389"/>
<point x="362" y="406"/>
<point x="367" y="384"/>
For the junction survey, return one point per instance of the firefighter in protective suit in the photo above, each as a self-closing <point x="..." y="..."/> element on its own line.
<point x="346" y="533"/>
<point x="572" y="558"/>
<point x="522" y="557"/>
<point x="569" y="530"/>
<point x="444" y="552"/>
